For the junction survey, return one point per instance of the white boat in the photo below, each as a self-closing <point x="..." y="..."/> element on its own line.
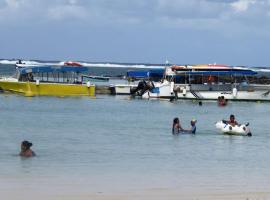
<point x="124" y="89"/>
<point x="209" y="82"/>
<point x="134" y="78"/>
<point x="241" y="130"/>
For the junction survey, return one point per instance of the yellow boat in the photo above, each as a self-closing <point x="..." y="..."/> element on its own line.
<point x="49" y="81"/>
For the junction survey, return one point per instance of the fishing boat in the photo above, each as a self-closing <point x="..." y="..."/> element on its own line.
<point x="209" y="82"/>
<point x="49" y="81"/>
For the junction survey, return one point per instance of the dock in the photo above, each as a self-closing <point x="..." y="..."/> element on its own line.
<point x="105" y="89"/>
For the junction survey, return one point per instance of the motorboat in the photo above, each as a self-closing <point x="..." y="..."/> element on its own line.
<point x="135" y="80"/>
<point x="49" y="81"/>
<point x="209" y="82"/>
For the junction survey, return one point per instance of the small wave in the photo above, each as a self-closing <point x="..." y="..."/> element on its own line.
<point x="111" y="65"/>
<point x="86" y="64"/>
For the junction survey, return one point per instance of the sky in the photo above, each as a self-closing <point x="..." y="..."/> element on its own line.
<point x="233" y="32"/>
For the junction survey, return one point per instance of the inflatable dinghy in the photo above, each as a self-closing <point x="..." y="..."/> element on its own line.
<point x="228" y="129"/>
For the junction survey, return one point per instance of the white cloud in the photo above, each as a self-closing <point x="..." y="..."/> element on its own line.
<point x="242" y="5"/>
<point x="71" y="11"/>
<point x="205" y="14"/>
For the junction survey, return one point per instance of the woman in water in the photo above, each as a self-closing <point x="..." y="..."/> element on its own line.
<point x="26" y="150"/>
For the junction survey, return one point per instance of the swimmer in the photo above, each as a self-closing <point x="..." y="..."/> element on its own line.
<point x="193" y="126"/>
<point x="176" y="127"/>
<point x="26" y="150"/>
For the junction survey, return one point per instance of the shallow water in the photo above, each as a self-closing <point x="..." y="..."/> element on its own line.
<point x="117" y="144"/>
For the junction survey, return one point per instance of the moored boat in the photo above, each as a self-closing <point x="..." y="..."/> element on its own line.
<point x="209" y="82"/>
<point x="134" y="77"/>
<point x="49" y="81"/>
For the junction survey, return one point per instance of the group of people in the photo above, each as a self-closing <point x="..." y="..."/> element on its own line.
<point x="26" y="150"/>
<point x="177" y="128"/>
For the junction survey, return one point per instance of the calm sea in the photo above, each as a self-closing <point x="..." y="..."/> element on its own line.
<point x="112" y="144"/>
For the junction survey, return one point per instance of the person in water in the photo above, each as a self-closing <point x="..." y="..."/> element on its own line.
<point x="26" y="150"/>
<point x="222" y="101"/>
<point x="232" y="121"/>
<point x="193" y="126"/>
<point x="176" y="127"/>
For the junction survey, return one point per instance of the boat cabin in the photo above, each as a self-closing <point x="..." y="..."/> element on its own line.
<point x="53" y="74"/>
<point x="208" y="75"/>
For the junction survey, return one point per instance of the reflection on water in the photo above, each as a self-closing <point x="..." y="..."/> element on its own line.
<point x="120" y="144"/>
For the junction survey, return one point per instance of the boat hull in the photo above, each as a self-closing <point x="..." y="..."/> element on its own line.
<point x="47" y="89"/>
<point x="259" y="93"/>
<point x="123" y="89"/>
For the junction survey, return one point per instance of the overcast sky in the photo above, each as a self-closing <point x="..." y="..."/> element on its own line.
<point x="235" y="32"/>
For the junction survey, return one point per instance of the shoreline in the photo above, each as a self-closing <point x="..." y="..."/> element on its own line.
<point x="151" y="194"/>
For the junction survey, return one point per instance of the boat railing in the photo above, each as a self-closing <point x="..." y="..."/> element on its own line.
<point x="221" y="87"/>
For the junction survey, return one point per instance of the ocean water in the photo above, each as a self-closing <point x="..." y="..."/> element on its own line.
<point x="114" y="144"/>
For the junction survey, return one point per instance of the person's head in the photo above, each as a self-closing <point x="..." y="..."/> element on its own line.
<point x="26" y="145"/>
<point x="232" y="118"/>
<point x="176" y="120"/>
<point x="193" y="122"/>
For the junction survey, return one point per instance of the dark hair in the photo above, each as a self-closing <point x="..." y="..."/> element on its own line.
<point x="27" y="144"/>
<point x="232" y="116"/>
<point x="175" y="120"/>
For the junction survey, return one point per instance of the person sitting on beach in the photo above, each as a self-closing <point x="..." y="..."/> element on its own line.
<point x="26" y="150"/>
<point x="232" y="121"/>
<point x="176" y="127"/>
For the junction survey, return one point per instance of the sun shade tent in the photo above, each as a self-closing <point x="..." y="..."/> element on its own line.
<point x="230" y="72"/>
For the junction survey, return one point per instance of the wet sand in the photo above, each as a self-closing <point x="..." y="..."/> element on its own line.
<point x="151" y="194"/>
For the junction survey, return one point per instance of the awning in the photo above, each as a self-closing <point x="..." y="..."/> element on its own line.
<point x="46" y="69"/>
<point x="231" y="72"/>
<point x="146" y="74"/>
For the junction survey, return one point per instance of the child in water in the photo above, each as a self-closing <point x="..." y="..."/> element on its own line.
<point x="26" y="150"/>
<point x="193" y="126"/>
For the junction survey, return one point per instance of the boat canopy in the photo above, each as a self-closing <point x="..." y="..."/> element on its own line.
<point x="47" y="69"/>
<point x="229" y="72"/>
<point x="146" y="74"/>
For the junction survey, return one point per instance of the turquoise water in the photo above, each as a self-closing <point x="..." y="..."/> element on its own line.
<point x="117" y="144"/>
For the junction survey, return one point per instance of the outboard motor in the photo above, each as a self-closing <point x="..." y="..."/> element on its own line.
<point x="142" y="87"/>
